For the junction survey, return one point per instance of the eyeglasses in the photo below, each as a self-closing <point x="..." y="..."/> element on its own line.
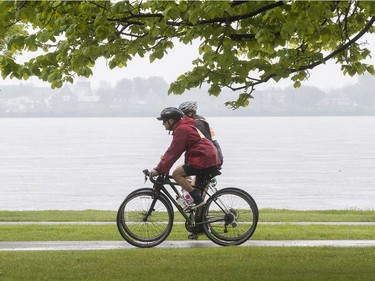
<point x="164" y="121"/>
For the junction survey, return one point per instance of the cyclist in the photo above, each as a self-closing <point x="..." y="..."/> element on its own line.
<point x="189" y="108"/>
<point x="200" y="154"/>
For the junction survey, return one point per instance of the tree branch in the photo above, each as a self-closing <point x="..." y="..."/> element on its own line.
<point x="241" y="36"/>
<point x="340" y="49"/>
<point x="215" y="20"/>
<point x="244" y="16"/>
<point x="313" y="65"/>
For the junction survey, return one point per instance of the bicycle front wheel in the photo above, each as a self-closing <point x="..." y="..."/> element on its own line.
<point x="231" y="217"/>
<point x="144" y="219"/>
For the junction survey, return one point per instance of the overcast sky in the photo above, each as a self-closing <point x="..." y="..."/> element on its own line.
<point x="179" y="60"/>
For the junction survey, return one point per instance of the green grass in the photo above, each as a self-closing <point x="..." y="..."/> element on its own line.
<point x="81" y="232"/>
<point x="87" y="215"/>
<point x="110" y="232"/>
<point x="265" y="215"/>
<point x="233" y="263"/>
<point x="221" y="263"/>
<point x="280" y="215"/>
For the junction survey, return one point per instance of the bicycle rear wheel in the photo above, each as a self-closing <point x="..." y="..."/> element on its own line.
<point x="232" y="216"/>
<point x="145" y="220"/>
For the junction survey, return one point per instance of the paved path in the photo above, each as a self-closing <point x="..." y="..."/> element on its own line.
<point x="113" y="245"/>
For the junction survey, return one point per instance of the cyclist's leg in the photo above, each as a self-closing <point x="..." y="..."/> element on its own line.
<point x="190" y="178"/>
<point x="180" y="174"/>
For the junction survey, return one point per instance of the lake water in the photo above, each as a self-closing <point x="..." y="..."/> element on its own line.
<point x="93" y="163"/>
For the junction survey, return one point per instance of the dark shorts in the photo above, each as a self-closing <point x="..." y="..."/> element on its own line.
<point x="201" y="174"/>
<point x="190" y="171"/>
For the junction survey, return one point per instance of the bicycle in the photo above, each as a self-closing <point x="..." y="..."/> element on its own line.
<point x="145" y="217"/>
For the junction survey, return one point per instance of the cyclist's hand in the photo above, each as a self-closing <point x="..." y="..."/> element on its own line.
<point x="153" y="173"/>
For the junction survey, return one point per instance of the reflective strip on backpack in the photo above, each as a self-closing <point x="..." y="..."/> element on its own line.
<point x="199" y="132"/>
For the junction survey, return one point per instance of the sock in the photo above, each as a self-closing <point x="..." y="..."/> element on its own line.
<point x="196" y="196"/>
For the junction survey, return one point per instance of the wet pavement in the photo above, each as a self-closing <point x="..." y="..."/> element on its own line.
<point x="116" y="245"/>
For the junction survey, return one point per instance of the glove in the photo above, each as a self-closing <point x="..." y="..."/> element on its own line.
<point x="154" y="173"/>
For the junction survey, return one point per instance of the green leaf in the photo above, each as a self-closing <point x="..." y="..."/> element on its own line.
<point x="297" y="84"/>
<point x="43" y="36"/>
<point x="176" y="88"/>
<point x="157" y="54"/>
<point x="204" y="48"/>
<point x="194" y="16"/>
<point x="370" y="69"/>
<point x="214" y="90"/>
<point x="16" y="43"/>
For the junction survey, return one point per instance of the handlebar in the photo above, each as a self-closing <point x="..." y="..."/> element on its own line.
<point x="146" y="172"/>
<point x="160" y="179"/>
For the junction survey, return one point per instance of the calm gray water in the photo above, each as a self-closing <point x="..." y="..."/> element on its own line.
<point x="93" y="163"/>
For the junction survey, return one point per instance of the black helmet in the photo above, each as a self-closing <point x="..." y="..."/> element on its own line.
<point x="171" y="113"/>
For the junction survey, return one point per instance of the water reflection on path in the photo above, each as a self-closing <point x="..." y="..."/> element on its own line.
<point x="120" y="245"/>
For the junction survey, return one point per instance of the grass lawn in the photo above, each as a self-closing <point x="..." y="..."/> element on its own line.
<point x="221" y="263"/>
<point x="225" y="263"/>
<point x="109" y="232"/>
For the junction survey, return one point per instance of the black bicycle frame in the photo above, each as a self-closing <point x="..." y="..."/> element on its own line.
<point x="158" y="187"/>
<point x="161" y="187"/>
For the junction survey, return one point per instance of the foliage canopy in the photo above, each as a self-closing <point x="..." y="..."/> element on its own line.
<point x="242" y="44"/>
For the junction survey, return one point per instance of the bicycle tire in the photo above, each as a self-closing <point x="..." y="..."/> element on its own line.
<point x="231" y="215"/>
<point x="131" y="218"/>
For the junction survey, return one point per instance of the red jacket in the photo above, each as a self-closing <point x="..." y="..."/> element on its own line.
<point x="200" y="152"/>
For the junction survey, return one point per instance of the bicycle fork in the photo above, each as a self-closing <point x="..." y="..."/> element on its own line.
<point x="152" y="206"/>
<point x="150" y="210"/>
